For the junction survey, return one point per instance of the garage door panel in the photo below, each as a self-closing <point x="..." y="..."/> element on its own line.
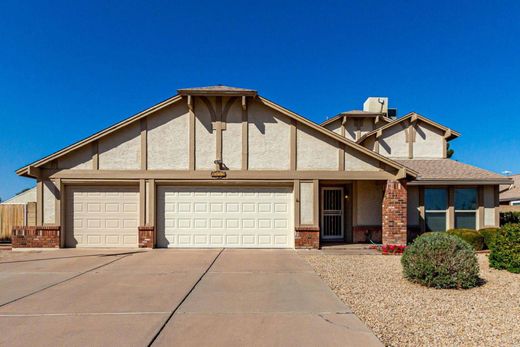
<point x="102" y="216"/>
<point x="225" y="217"/>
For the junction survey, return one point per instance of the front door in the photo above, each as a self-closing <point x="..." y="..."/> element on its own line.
<point x="332" y="207"/>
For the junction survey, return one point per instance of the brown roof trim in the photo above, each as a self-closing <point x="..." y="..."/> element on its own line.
<point x="218" y="90"/>
<point x="494" y="181"/>
<point x="452" y="133"/>
<point x="354" y="114"/>
<point x="337" y="137"/>
<point x="24" y="171"/>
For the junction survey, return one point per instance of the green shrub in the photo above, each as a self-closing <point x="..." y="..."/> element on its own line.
<point x="473" y="237"/>
<point x="441" y="260"/>
<point x="505" y="252"/>
<point x="489" y="235"/>
<point x="509" y="218"/>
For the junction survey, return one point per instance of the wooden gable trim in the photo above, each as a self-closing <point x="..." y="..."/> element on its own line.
<point x="24" y="170"/>
<point x="413" y="117"/>
<point x="335" y="136"/>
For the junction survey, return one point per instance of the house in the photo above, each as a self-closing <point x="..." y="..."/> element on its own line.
<point x="225" y="167"/>
<point x="510" y="194"/>
<point x="24" y="197"/>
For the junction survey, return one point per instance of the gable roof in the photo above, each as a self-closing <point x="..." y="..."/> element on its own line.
<point x="512" y="191"/>
<point x="447" y="170"/>
<point x="356" y="114"/>
<point x="452" y="134"/>
<point x="214" y="90"/>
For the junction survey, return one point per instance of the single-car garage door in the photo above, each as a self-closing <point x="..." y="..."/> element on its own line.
<point x="246" y="217"/>
<point x="102" y="216"/>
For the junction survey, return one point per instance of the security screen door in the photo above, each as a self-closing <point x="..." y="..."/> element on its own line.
<point x="332" y="206"/>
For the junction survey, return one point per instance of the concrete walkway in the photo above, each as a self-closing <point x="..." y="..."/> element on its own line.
<point x="171" y="297"/>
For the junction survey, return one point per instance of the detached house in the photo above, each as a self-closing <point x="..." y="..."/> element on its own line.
<point x="225" y="167"/>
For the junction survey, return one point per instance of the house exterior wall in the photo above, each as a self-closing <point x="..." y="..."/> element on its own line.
<point x="168" y="139"/>
<point x="429" y="142"/>
<point x="232" y="138"/>
<point x="205" y="138"/>
<point x="355" y="161"/>
<point x="315" y="150"/>
<point x="122" y="150"/>
<point x="413" y="206"/>
<point x="393" y="143"/>
<point x="269" y="140"/>
<point x="306" y="203"/>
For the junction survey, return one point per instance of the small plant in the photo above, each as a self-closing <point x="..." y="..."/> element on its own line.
<point x="473" y="237"/>
<point x="489" y="235"/>
<point x="505" y="251"/>
<point x="441" y="260"/>
<point x="392" y="249"/>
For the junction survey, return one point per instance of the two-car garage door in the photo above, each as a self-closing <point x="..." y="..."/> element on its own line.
<point x="187" y="216"/>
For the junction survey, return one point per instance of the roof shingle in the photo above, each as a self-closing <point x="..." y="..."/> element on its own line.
<point x="450" y="170"/>
<point x="511" y="192"/>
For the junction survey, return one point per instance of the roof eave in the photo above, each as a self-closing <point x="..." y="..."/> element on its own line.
<point x="186" y="92"/>
<point x="451" y="181"/>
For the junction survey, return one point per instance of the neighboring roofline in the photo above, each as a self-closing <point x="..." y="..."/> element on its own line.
<point x="337" y="137"/>
<point x="510" y="199"/>
<point x="355" y="115"/>
<point x="452" y="134"/>
<point x="24" y="170"/>
<point x="443" y="181"/>
<point x="27" y="191"/>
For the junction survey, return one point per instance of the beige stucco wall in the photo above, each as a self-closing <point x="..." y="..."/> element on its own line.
<point x="205" y="138"/>
<point x="232" y="138"/>
<point x="335" y="126"/>
<point x="369" y="200"/>
<point x="80" y="159"/>
<point x="392" y="142"/>
<point x="269" y="138"/>
<point x="489" y="206"/>
<point x="49" y="202"/>
<point x="413" y="206"/>
<point x="122" y="149"/>
<point x="429" y="142"/>
<point x="306" y="202"/>
<point x="315" y="151"/>
<point x="356" y="161"/>
<point x="168" y="138"/>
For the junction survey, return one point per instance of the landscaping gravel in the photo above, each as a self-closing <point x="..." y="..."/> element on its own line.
<point x="405" y="314"/>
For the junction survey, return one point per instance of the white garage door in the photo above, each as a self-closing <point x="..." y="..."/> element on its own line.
<point x="225" y="217"/>
<point x="99" y="216"/>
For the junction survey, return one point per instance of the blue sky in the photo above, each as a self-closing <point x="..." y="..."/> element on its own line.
<point x="69" y="69"/>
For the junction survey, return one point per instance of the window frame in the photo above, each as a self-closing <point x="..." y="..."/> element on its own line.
<point x="437" y="212"/>
<point x="477" y="204"/>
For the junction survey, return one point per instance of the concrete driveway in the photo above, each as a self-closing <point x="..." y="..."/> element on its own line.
<point x="170" y="297"/>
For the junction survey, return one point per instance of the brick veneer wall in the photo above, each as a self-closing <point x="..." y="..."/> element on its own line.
<point x="395" y="213"/>
<point x="36" y="237"/>
<point x="146" y="237"/>
<point x="307" y="237"/>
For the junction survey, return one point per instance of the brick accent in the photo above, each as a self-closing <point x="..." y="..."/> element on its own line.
<point x="146" y="237"/>
<point x="394" y="213"/>
<point x="365" y="233"/>
<point x="307" y="237"/>
<point x="47" y="236"/>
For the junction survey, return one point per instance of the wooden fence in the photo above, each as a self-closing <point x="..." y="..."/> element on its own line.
<point x="12" y="215"/>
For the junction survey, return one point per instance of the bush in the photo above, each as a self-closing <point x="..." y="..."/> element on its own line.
<point x="505" y="252"/>
<point x="509" y="217"/>
<point x="473" y="237"/>
<point x="441" y="260"/>
<point x="489" y="235"/>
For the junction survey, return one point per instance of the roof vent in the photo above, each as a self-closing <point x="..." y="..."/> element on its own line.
<point x="376" y="104"/>
<point x="392" y="113"/>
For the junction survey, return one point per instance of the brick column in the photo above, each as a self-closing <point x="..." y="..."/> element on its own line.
<point x="394" y="211"/>
<point x="146" y="236"/>
<point x="307" y="237"/>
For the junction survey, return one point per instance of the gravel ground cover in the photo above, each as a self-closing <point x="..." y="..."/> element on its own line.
<point x="405" y="314"/>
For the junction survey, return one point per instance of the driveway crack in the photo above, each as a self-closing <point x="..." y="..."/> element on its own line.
<point x="184" y="299"/>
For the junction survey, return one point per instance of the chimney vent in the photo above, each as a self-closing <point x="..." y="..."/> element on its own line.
<point x="376" y="104"/>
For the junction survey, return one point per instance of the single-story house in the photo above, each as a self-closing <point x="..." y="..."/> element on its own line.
<point x="222" y="166"/>
<point x="24" y="197"/>
<point x="510" y="194"/>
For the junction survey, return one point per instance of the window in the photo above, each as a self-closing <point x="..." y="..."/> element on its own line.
<point x="515" y="203"/>
<point x="435" y="205"/>
<point x="466" y="208"/>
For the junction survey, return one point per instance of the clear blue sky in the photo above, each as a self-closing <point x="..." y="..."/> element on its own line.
<point x="69" y="69"/>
